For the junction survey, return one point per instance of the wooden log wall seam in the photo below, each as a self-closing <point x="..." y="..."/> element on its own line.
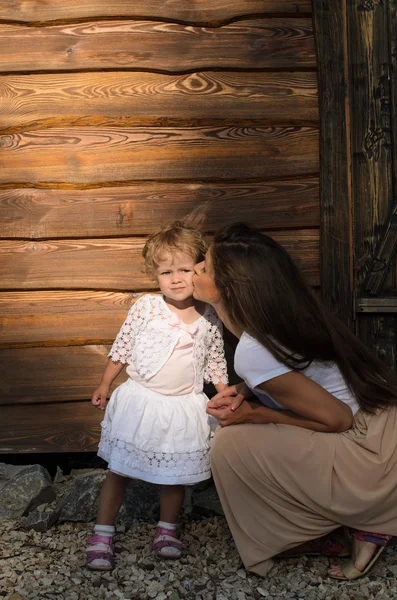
<point x="73" y="428"/>
<point x="128" y="99"/>
<point x="161" y="47"/>
<point x="204" y="12"/>
<point x="123" y="210"/>
<point x="115" y="117"/>
<point x="110" y="264"/>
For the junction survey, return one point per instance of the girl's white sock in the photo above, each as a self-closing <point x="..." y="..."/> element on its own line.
<point x="104" y="530"/>
<point x="170" y="526"/>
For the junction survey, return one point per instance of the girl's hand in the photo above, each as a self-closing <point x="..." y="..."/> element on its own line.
<point x="99" y="396"/>
<point x="230" y="398"/>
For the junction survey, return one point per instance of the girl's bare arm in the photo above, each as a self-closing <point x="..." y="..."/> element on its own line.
<point x="112" y="370"/>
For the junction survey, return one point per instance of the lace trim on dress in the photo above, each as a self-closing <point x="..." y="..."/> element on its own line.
<point x="165" y="463"/>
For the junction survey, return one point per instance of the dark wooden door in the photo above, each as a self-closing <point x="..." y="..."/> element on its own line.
<point x="357" y="59"/>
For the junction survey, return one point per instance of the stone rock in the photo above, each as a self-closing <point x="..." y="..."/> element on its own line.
<point x="42" y="518"/>
<point x="141" y="502"/>
<point x="22" y="489"/>
<point x="27" y="492"/>
<point x="207" y="499"/>
<point x="79" y="501"/>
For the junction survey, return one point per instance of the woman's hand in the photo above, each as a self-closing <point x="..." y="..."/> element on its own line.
<point x="243" y="414"/>
<point x="99" y="396"/>
<point x="230" y="398"/>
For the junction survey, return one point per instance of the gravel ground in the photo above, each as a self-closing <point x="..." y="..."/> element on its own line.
<point x="51" y="566"/>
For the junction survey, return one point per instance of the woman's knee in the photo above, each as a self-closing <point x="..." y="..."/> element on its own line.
<point x="223" y="445"/>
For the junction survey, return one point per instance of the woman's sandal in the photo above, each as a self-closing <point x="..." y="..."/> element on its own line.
<point x="99" y="553"/>
<point x="333" y="544"/>
<point x="166" y="544"/>
<point x="350" y="571"/>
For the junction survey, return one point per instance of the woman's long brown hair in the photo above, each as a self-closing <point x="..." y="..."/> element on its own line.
<point x="264" y="292"/>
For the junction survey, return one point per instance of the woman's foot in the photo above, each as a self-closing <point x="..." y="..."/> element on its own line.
<point x="166" y="543"/>
<point x="364" y="557"/>
<point x="333" y="544"/>
<point x="99" y="553"/>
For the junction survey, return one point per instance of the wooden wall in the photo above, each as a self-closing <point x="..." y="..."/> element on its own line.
<point x="116" y="117"/>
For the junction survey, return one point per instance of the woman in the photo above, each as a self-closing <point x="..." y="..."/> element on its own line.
<point x="315" y="447"/>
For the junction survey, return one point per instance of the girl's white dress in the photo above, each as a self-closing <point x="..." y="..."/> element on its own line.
<point x="155" y="426"/>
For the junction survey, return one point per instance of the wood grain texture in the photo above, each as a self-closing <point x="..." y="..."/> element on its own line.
<point x="97" y="155"/>
<point x="392" y="22"/>
<point x="48" y="375"/>
<point x="37" y="101"/>
<point x="60" y="318"/>
<point x="277" y="43"/>
<point x="138" y="209"/>
<point x="111" y="264"/>
<point x="199" y="11"/>
<point x="372" y="159"/>
<point x="67" y="427"/>
<point x="335" y="183"/>
<point x="372" y="164"/>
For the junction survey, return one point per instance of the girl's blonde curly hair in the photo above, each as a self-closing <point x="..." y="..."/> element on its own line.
<point x="172" y="238"/>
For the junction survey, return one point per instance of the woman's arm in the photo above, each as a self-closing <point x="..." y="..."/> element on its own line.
<point x="308" y="405"/>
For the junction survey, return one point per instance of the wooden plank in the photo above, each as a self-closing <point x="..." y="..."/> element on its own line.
<point x="79" y="99"/>
<point x="69" y="427"/>
<point x="385" y="256"/>
<point x="138" y="209"/>
<point x="377" y="331"/>
<point x="61" y="318"/>
<point x="50" y="375"/>
<point x="148" y="45"/>
<point x="391" y="7"/>
<point x="376" y="305"/>
<point x="98" y="155"/>
<point x="201" y="12"/>
<point x="111" y="264"/>
<point x="372" y="167"/>
<point x="335" y="185"/>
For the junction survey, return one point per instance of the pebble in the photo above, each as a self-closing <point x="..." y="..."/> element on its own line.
<point x="53" y="568"/>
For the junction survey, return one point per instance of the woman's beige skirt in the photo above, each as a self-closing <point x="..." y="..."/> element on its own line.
<point x="281" y="485"/>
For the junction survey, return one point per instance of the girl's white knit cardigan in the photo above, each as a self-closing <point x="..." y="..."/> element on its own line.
<point x="150" y="333"/>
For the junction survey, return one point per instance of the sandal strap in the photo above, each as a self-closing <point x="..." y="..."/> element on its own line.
<point x="160" y="544"/>
<point x="166" y="538"/>
<point x="164" y="531"/>
<point x="95" y="554"/>
<point x="100" y="539"/>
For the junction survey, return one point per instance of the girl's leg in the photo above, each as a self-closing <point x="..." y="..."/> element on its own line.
<point x="111" y="498"/>
<point x="100" y="545"/>
<point x="171" y="501"/>
<point x="166" y="543"/>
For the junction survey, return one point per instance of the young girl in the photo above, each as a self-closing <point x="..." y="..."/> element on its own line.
<point x="155" y="426"/>
<point x="320" y="449"/>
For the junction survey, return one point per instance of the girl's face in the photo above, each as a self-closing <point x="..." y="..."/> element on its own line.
<point x="204" y="282"/>
<point x="174" y="274"/>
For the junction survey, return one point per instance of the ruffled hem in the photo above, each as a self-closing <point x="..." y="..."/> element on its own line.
<point x="155" y="467"/>
<point x="125" y="471"/>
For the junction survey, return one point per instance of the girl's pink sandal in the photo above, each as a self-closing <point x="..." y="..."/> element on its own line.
<point x="99" y="553"/>
<point x="166" y="544"/>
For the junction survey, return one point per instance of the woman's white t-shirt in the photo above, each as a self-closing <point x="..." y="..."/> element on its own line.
<point x="255" y="364"/>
